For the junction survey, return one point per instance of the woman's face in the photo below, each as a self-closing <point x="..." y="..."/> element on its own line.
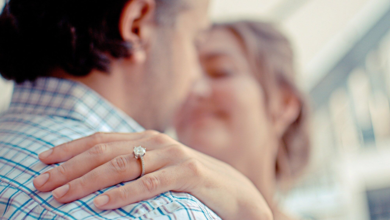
<point x="230" y="121"/>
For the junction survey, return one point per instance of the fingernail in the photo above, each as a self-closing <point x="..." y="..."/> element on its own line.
<point x="101" y="200"/>
<point x="45" y="154"/>
<point x="40" y="180"/>
<point x="60" y="192"/>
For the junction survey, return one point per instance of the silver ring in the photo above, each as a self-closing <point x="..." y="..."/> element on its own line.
<point x="139" y="152"/>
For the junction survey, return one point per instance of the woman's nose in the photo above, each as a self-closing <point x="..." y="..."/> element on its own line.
<point x="201" y="88"/>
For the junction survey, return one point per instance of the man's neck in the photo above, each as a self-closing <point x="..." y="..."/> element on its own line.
<point x="118" y="88"/>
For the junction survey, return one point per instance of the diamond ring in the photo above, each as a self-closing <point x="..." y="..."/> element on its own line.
<point x="139" y="152"/>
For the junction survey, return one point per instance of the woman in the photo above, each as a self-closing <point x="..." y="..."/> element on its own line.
<point x="252" y="118"/>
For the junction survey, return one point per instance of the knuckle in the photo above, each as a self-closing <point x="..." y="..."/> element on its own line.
<point x="151" y="183"/>
<point x="98" y="138"/>
<point x="161" y="139"/>
<point x="98" y="149"/>
<point x="120" y="163"/>
<point x="194" y="167"/>
<point x="63" y="170"/>
<point x="124" y="193"/>
<point x="176" y="150"/>
<point x="83" y="182"/>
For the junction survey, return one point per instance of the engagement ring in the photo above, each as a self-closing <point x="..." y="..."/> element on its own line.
<point x="139" y="152"/>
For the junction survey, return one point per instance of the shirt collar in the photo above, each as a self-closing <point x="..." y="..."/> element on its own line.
<point x="71" y="100"/>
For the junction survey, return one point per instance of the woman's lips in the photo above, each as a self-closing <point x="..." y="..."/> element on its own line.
<point x="197" y="117"/>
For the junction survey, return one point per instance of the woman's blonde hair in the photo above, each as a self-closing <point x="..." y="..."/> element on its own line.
<point x="272" y="60"/>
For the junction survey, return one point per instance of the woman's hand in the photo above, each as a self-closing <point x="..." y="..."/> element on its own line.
<point x="102" y="160"/>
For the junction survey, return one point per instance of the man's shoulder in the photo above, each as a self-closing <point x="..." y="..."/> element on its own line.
<point x="17" y="204"/>
<point x="182" y="206"/>
<point x="46" y="129"/>
<point x="23" y="137"/>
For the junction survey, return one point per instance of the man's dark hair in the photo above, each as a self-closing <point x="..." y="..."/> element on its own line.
<point x="37" y="36"/>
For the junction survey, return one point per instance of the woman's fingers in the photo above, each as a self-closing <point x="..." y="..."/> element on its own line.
<point x="80" y="165"/>
<point x="68" y="150"/>
<point x="120" y="169"/>
<point x="98" y="155"/>
<point x="104" y="160"/>
<point x="144" y="188"/>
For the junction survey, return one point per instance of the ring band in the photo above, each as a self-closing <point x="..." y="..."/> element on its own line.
<point x="139" y="153"/>
<point x="142" y="166"/>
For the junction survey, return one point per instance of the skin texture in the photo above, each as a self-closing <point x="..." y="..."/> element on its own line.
<point x="233" y="122"/>
<point x="102" y="160"/>
<point x="164" y="67"/>
<point x="226" y="117"/>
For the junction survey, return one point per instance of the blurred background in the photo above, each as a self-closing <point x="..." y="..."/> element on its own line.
<point x="343" y="57"/>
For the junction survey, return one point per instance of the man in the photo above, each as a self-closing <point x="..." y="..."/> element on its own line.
<point x="85" y="67"/>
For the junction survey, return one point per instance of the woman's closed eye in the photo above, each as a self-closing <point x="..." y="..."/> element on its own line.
<point x="221" y="73"/>
<point x="221" y="68"/>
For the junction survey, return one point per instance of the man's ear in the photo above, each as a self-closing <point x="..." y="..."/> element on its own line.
<point x="287" y="110"/>
<point x="136" y="26"/>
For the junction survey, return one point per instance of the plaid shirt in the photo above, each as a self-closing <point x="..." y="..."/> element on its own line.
<point x="50" y="112"/>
